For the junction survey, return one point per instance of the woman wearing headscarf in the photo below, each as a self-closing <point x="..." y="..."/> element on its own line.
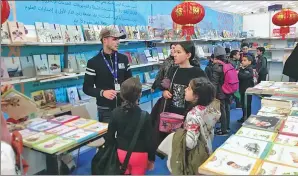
<point x="290" y="67"/>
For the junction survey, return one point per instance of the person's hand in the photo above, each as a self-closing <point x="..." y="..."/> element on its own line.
<point x="150" y="165"/>
<point x="109" y="94"/>
<point x="167" y="94"/>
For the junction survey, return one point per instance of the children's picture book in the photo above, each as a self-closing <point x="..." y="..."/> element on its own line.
<point x="44" y="126"/>
<point x="34" y="121"/>
<point x="61" y="95"/>
<point x="50" y="97"/>
<point x="283" y="154"/>
<point x="62" y="129"/>
<point x="17" y="32"/>
<point x="97" y="29"/>
<point x="65" y="34"/>
<point x="64" y="119"/>
<point x="54" y="145"/>
<point x="41" y="64"/>
<point x="13" y="66"/>
<point x="256" y="134"/>
<point x="43" y="32"/>
<point x="286" y="140"/>
<point x="222" y="162"/>
<point x="72" y="95"/>
<point x="3" y="70"/>
<point x="54" y="64"/>
<point x="98" y="127"/>
<point x="82" y="95"/>
<point x="30" y="33"/>
<point x="72" y="63"/>
<point x="263" y="123"/>
<point x="5" y="38"/>
<point x="39" y="98"/>
<point x="19" y="105"/>
<point x="56" y="34"/>
<point x="89" y="33"/>
<point x="289" y="128"/>
<point x="81" y="62"/>
<point x="28" y="68"/>
<point x="275" y="110"/>
<point x="80" y="135"/>
<point x="268" y="168"/>
<point x="37" y="139"/>
<point x="246" y="146"/>
<point x="81" y="123"/>
<point x="27" y="132"/>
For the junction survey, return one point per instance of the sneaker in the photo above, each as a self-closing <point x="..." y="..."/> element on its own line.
<point x="240" y="120"/>
<point x="220" y="133"/>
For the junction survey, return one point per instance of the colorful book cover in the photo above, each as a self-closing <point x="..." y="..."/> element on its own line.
<point x="98" y="127"/>
<point x="44" y="126"/>
<point x="50" y="97"/>
<point x="81" y="122"/>
<point x="286" y="140"/>
<point x="54" y="64"/>
<point x="37" y="138"/>
<point x="282" y="154"/>
<point x="263" y="123"/>
<point x="13" y="66"/>
<point x="268" y="168"/>
<point x="154" y="54"/>
<point x="256" y="134"/>
<point x="41" y="64"/>
<point x="35" y="121"/>
<point x="17" y="32"/>
<point x="80" y="135"/>
<point x="246" y="146"/>
<point x="54" y="145"/>
<point x="28" y="68"/>
<point x="5" y="38"/>
<point x="81" y="62"/>
<point x="65" y="34"/>
<point x="30" y="33"/>
<point x="61" y="95"/>
<point x="64" y="119"/>
<point x="143" y="32"/>
<point x="222" y="162"/>
<point x="72" y="94"/>
<point x="39" y="98"/>
<point x="3" y="70"/>
<point x="135" y="58"/>
<point x="289" y="128"/>
<point x="27" y="132"/>
<point x="82" y="95"/>
<point x="62" y="129"/>
<point x="43" y="32"/>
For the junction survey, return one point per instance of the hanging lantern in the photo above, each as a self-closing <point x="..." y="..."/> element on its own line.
<point x="5" y="10"/>
<point x="188" y="14"/>
<point x="284" y="19"/>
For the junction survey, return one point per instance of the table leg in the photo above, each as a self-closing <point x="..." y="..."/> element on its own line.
<point x="52" y="163"/>
<point x="245" y="106"/>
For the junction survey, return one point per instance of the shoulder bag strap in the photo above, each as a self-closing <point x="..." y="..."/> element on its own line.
<point x="164" y="106"/>
<point x="134" y="141"/>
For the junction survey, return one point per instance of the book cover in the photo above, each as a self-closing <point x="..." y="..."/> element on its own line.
<point x="17" y="32"/>
<point x="154" y="55"/>
<point x="72" y="95"/>
<point x="289" y="128"/>
<point x="34" y="121"/>
<point x="62" y="129"/>
<point x="39" y="98"/>
<point x="246" y="146"/>
<point x="226" y="163"/>
<point x="81" y="122"/>
<point x="286" y="140"/>
<point x="54" y="64"/>
<point x="276" y="110"/>
<point x="41" y="64"/>
<point x="81" y="62"/>
<point x="129" y="34"/>
<point x="13" y="66"/>
<point x="72" y="62"/>
<point x="43" y="32"/>
<point x="37" y="139"/>
<point x="98" y="127"/>
<point x="61" y="95"/>
<point x="143" y="32"/>
<point x="30" y="33"/>
<point x="19" y="105"/>
<point x="54" y="145"/>
<point x="282" y="154"/>
<point x="82" y="95"/>
<point x="78" y="34"/>
<point x="65" y="34"/>
<point x="50" y="97"/>
<point x="56" y="34"/>
<point x="44" y="126"/>
<point x="292" y="119"/>
<point x="97" y="29"/>
<point x="256" y="134"/>
<point x="129" y="58"/>
<point x="64" y="119"/>
<point x="263" y="123"/>
<point x="5" y="38"/>
<point x="268" y="168"/>
<point x="27" y="65"/>
<point x="27" y="132"/>
<point x="150" y="32"/>
<point x="89" y="33"/>
<point x="3" y="70"/>
<point x="135" y="58"/>
<point x="80" y="135"/>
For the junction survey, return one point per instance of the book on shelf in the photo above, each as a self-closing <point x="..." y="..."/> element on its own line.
<point x="5" y="36"/>
<point x="286" y="140"/>
<point x="154" y="55"/>
<point x="82" y="94"/>
<point x="39" y="98"/>
<point x="81" y="123"/>
<point x="56" y="34"/>
<point x="80" y="135"/>
<point x="81" y="62"/>
<point x="263" y="123"/>
<point x="278" y="103"/>
<point x="54" y="64"/>
<point x="64" y="119"/>
<point x="13" y="66"/>
<point x="17" y="32"/>
<point x="269" y="168"/>
<point x="268" y="114"/>
<point x="44" y="126"/>
<point x="72" y="95"/>
<point x="135" y="57"/>
<point x="62" y="129"/>
<point x="61" y="95"/>
<point x="223" y="162"/>
<point x="97" y="29"/>
<point x="72" y="63"/>
<point x="50" y="97"/>
<point x="135" y="31"/>
<point x="27" y="65"/>
<point x="3" y="70"/>
<point x="78" y="34"/>
<point x="30" y="33"/>
<point x="275" y="110"/>
<point x="256" y="134"/>
<point x="66" y="36"/>
<point x="41" y="64"/>
<point x="43" y="32"/>
<point x="289" y="128"/>
<point x="54" y="145"/>
<point x="98" y="127"/>
<point x="37" y="139"/>
<point x="89" y="33"/>
<point x="143" y="32"/>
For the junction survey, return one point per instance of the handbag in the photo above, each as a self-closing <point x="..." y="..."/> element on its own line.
<point x="106" y="161"/>
<point x="169" y="122"/>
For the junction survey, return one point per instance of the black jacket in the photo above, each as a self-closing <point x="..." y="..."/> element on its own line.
<point x="217" y="78"/>
<point x="291" y="65"/>
<point x="98" y="77"/>
<point x="245" y="77"/>
<point x="262" y="65"/>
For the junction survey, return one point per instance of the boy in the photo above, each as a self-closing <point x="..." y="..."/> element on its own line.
<point x="244" y="52"/>
<point x="235" y="59"/>
<point x="245" y="76"/>
<point x="261" y="66"/>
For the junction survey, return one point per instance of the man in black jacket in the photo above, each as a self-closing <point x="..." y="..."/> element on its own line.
<point x="261" y="66"/>
<point x="105" y="73"/>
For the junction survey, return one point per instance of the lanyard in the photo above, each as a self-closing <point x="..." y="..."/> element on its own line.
<point x="115" y="70"/>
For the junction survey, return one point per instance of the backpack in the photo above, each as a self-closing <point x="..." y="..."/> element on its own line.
<point x="231" y="81"/>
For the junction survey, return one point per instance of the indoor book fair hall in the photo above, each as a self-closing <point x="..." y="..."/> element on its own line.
<point x="149" y="87"/>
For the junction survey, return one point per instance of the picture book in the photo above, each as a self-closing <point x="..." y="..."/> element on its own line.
<point x="27" y="132"/>
<point x="72" y="95"/>
<point x="44" y="126"/>
<point x="286" y="140"/>
<point x="81" y="62"/>
<point x="222" y="162"/>
<point x="54" y="64"/>
<point x="97" y="29"/>
<point x="3" y="70"/>
<point x="267" y="114"/>
<point x="41" y="64"/>
<point x="274" y="102"/>
<point x="39" y="98"/>
<point x="81" y="122"/>
<point x="82" y="94"/>
<point x="50" y="97"/>
<point x="62" y="129"/>
<point x="43" y="32"/>
<point x="13" y="66"/>
<point x="292" y="119"/>
<point x="89" y="33"/>
<point x="275" y="110"/>
<point x="35" y="121"/>
<point x="5" y="38"/>
<point x="78" y="34"/>
<point x="143" y="32"/>
<point x="72" y="63"/>
<point x="64" y="119"/>
<point x="282" y="154"/>
<point x="27" y="65"/>
<point x="56" y="34"/>
<point x="246" y="146"/>
<point x="263" y="123"/>
<point x="66" y="36"/>
<point x="61" y="95"/>
<point x="19" y="105"/>
<point x="154" y="54"/>
<point x="73" y="33"/>
<point x="37" y="139"/>
<point x="268" y="168"/>
<point x="98" y="127"/>
<point x="30" y="33"/>
<point x="17" y="32"/>
<point x="54" y="145"/>
<point x="80" y="135"/>
<point x="289" y="128"/>
<point x="256" y="134"/>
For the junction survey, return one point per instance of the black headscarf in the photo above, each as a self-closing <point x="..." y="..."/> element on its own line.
<point x="291" y="65"/>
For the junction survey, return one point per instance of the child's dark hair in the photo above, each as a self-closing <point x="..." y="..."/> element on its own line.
<point x="244" y="45"/>
<point x="130" y="92"/>
<point x="204" y="89"/>
<point x="262" y="49"/>
<point x="249" y="58"/>
<point x="228" y="50"/>
<point x="172" y="44"/>
<point x="233" y="53"/>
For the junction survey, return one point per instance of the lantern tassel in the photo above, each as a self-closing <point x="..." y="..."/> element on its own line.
<point x="284" y="30"/>
<point x="188" y="31"/>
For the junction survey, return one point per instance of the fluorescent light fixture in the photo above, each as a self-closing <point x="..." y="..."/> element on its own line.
<point x="226" y="3"/>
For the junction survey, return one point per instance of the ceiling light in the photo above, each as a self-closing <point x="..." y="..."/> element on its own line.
<point x="232" y="6"/>
<point x="226" y="3"/>
<point x="216" y="2"/>
<point x="263" y="2"/>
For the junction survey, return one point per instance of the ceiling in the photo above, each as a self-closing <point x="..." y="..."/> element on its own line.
<point x="245" y="7"/>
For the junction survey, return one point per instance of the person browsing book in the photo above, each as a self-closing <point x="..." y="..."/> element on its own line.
<point x="105" y="73"/>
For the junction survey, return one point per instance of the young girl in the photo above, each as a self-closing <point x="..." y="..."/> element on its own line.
<point x="124" y="121"/>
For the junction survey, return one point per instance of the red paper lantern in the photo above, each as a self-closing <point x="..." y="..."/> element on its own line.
<point x="187" y="14"/>
<point x="284" y="19"/>
<point x="5" y="10"/>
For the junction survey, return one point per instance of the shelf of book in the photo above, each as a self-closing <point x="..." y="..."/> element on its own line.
<point x="145" y="65"/>
<point x="269" y="38"/>
<point x="273" y="49"/>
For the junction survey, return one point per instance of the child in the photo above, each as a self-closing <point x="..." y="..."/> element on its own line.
<point x="235" y="59"/>
<point x="245" y="76"/>
<point x="261" y="67"/>
<point x="245" y="53"/>
<point x="208" y="69"/>
<point x="124" y="122"/>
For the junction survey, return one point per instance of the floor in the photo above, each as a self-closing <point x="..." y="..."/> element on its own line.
<point x="84" y="163"/>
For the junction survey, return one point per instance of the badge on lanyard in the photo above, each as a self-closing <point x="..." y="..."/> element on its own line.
<point x="117" y="87"/>
<point x="114" y="71"/>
